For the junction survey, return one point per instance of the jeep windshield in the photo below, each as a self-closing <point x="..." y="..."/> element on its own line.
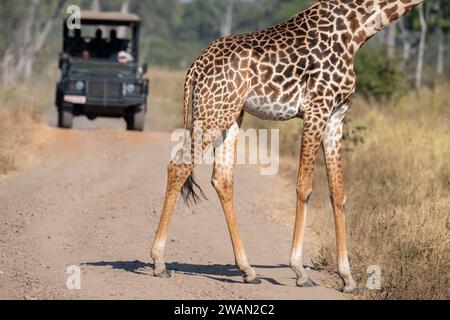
<point x="103" y="37"/>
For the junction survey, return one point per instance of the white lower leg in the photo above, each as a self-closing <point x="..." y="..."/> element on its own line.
<point x="296" y="261"/>
<point x="345" y="273"/>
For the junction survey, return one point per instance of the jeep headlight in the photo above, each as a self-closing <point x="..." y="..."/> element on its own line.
<point x="76" y="86"/>
<point x="131" y="88"/>
<point x="79" y="86"/>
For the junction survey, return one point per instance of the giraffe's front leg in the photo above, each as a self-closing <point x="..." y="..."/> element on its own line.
<point x="332" y="150"/>
<point x="311" y="139"/>
<point x="222" y="181"/>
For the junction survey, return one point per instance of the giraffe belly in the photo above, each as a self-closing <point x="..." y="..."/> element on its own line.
<point x="262" y="107"/>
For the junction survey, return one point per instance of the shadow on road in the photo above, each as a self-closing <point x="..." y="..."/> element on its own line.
<point x="129" y="266"/>
<point x="209" y="271"/>
<point x="83" y="123"/>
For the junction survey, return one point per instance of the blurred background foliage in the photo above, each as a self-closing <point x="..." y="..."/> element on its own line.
<point x="176" y="31"/>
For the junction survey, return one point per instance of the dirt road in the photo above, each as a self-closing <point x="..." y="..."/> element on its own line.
<point x="94" y="202"/>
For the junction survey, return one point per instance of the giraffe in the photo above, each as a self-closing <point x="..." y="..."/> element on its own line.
<point x="301" y="68"/>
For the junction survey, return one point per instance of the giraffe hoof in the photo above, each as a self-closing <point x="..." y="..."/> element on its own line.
<point x="306" y="283"/>
<point x="252" y="280"/>
<point x="162" y="274"/>
<point x="351" y="289"/>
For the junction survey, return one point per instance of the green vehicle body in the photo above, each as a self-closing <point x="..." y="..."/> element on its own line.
<point x="103" y="87"/>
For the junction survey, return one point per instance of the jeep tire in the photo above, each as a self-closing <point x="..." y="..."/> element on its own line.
<point x="65" y="119"/>
<point x="136" y="120"/>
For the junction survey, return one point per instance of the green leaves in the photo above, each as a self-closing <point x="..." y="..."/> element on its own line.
<point x="379" y="78"/>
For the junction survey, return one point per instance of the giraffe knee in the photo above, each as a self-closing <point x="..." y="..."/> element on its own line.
<point x="221" y="183"/>
<point x="222" y="180"/>
<point x="173" y="167"/>
<point x="215" y="183"/>
<point x="304" y="196"/>
<point x="178" y="173"/>
<point x="338" y="199"/>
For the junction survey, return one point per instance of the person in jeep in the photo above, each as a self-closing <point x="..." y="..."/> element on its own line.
<point x="102" y="77"/>
<point x="77" y="44"/>
<point x="98" y="46"/>
<point x="115" y="45"/>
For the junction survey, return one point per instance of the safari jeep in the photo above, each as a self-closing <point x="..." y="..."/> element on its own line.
<point x="100" y="71"/>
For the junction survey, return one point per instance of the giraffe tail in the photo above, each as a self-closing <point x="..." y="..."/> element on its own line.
<point x="188" y="83"/>
<point x="189" y="192"/>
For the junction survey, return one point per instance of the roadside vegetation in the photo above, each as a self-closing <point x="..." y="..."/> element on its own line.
<point x="165" y="99"/>
<point x="22" y="130"/>
<point x="398" y="183"/>
<point x="397" y="169"/>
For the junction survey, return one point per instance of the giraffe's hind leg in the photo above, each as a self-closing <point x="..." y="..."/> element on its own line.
<point x="332" y="150"/>
<point x="222" y="181"/>
<point x="177" y="175"/>
<point x="304" y="191"/>
<point x="179" y="170"/>
<point x="313" y="129"/>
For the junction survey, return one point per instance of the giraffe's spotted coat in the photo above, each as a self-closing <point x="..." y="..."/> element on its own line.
<point x="300" y="68"/>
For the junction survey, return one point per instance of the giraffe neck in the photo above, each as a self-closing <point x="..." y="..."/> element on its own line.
<point x="370" y="17"/>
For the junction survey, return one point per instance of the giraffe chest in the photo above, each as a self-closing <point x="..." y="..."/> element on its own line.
<point x="271" y="102"/>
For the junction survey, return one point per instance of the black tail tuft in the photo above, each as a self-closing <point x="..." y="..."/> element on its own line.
<point x="189" y="193"/>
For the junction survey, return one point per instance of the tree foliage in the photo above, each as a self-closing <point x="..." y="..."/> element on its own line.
<point x="174" y="32"/>
<point x="379" y="78"/>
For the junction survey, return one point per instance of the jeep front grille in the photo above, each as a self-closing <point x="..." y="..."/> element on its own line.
<point x="105" y="90"/>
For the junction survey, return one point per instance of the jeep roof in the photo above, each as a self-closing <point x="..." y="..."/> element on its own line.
<point x="108" y="18"/>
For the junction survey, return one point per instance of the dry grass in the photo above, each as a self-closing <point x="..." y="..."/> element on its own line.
<point x="21" y="134"/>
<point x="399" y="187"/>
<point x="398" y="183"/>
<point x="166" y="99"/>
<point x="21" y="128"/>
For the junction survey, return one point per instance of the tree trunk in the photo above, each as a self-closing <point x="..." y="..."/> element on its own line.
<point x="391" y="35"/>
<point x="422" y="44"/>
<point x="18" y="60"/>
<point x="41" y="38"/>
<point x="404" y="35"/>
<point x="25" y="47"/>
<point x="440" y="52"/>
<point x="96" y="5"/>
<point x="15" y="61"/>
<point x="9" y="74"/>
<point x="125" y="8"/>
<point x="227" y="23"/>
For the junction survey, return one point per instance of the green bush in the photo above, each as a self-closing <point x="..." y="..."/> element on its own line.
<point x="379" y="78"/>
<point x="162" y="52"/>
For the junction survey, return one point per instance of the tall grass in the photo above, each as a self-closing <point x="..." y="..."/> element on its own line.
<point x="21" y="129"/>
<point x="399" y="191"/>
<point x="165" y="99"/>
